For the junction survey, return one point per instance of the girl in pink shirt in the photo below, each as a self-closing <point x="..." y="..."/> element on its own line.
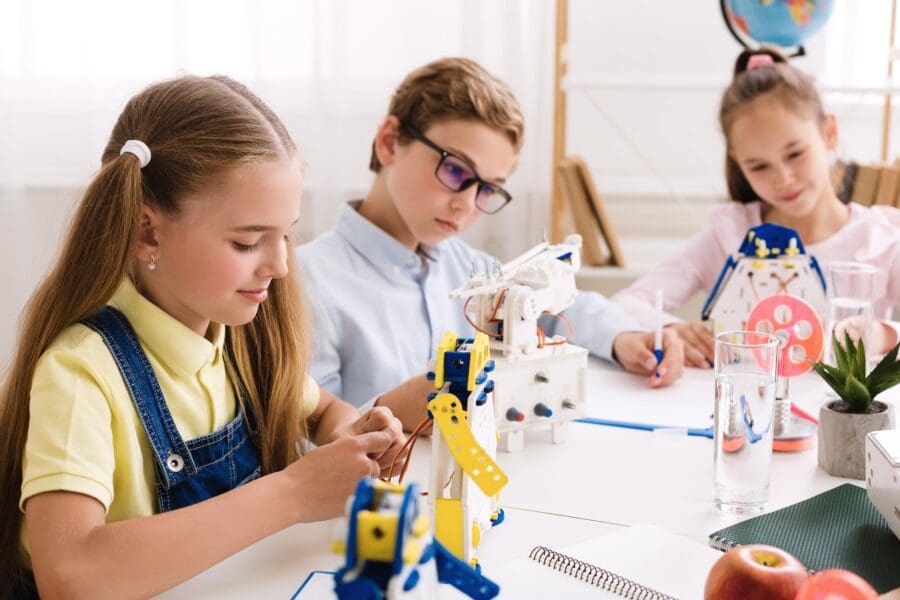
<point x="777" y="169"/>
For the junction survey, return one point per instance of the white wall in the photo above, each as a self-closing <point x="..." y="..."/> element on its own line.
<point x="656" y="154"/>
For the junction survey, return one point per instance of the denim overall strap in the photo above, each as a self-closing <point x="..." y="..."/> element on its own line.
<point x="174" y="461"/>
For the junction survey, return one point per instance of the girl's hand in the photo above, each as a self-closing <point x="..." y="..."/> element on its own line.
<point x="881" y="339"/>
<point x="325" y="477"/>
<point x="634" y="351"/>
<point x="381" y="419"/>
<point x="699" y="345"/>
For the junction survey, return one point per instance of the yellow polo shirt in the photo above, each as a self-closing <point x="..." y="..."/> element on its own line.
<point x="84" y="434"/>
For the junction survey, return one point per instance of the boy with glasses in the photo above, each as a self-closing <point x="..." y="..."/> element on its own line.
<point x="379" y="282"/>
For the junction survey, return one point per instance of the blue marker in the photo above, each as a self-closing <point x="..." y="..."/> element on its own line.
<point x="657" y="337"/>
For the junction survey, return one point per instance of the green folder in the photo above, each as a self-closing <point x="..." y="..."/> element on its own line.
<point x="838" y="529"/>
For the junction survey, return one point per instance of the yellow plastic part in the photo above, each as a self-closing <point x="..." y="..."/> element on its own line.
<point x="448" y="528"/>
<point x="448" y="344"/>
<point x="759" y="264"/>
<point x="338" y="547"/>
<point x="776" y="251"/>
<point x="376" y="535"/>
<point x="476" y="535"/>
<point x="420" y="526"/>
<point x="451" y="421"/>
<point x="412" y="551"/>
<point x="479" y="354"/>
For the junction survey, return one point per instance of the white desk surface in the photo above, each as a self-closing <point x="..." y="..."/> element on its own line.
<point x="558" y="495"/>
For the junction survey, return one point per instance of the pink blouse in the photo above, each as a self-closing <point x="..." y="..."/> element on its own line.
<point x="872" y="236"/>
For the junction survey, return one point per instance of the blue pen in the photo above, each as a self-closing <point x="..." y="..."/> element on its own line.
<point x="657" y="337"/>
<point x="706" y="432"/>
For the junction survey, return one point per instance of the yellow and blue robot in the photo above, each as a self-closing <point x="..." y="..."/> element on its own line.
<point x="391" y="554"/>
<point x="465" y="480"/>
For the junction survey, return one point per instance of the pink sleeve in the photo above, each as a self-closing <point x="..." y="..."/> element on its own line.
<point x="680" y="277"/>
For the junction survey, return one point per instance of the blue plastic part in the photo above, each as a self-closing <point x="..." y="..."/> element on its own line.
<point x="480" y="378"/>
<point x="730" y="263"/>
<point x="489" y="366"/>
<point x="429" y="376"/>
<point x="361" y="500"/>
<point x="467" y="580"/>
<point x="489" y="386"/>
<point x="775" y="237"/>
<point x="427" y="554"/>
<point x="411" y="581"/>
<point x="501" y="516"/>
<point x="432" y="396"/>
<point x="815" y="267"/>
<point x="356" y="589"/>
<point x="566" y="257"/>
<point x="542" y="410"/>
<point x="482" y="398"/>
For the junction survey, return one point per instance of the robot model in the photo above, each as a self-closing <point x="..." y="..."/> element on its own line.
<point x="465" y="480"/>
<point x="770" y="261"/>
<point x="390" y="553"/>
<point x="538" y="379"/>
<point x="772" y="286"/>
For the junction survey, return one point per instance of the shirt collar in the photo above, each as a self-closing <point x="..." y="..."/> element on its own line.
<point x="169" y="340"/>
<point x="381" y="249"/>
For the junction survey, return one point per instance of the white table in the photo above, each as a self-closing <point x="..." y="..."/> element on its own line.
<point x="558" y="495"/>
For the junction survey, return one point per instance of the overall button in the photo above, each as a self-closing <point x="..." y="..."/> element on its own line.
<point x="175" y="463"/>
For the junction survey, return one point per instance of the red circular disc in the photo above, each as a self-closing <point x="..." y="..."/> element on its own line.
<point x="796" y="324"/>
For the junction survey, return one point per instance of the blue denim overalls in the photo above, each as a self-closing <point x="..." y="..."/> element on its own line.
<point x="186" y="472"/>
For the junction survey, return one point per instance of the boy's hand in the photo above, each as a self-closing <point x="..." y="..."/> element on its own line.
<point x="408" y="401"/>
<point x="699" y="345"/>
<point x="634" y="351"/>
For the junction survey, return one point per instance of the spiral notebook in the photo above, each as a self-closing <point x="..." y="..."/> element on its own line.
<point x="644" y="562"/>
<point x="839" y="528"/>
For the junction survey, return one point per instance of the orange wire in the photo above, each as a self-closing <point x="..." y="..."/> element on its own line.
<point x="472" y="323"/>
<point x="541" y="338"/>
<point x="411" y="439"/>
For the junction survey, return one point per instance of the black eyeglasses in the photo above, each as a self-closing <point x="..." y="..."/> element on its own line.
<point x="456" y="174"/>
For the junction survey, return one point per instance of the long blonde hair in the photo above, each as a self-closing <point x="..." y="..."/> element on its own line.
<point x="195" y="128"/>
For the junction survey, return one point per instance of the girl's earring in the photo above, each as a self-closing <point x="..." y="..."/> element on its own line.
<point x="151" y="266"/>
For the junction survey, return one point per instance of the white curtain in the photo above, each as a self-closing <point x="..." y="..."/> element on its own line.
<point x="327" y="67"/>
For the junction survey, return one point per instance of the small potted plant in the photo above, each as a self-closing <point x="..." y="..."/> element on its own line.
<point x="844" y="423"/>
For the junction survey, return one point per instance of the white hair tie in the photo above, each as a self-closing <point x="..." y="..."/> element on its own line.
<point x="139" y="149"/>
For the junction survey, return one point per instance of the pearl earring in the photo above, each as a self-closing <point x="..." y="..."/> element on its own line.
<point x="151" y="266"/>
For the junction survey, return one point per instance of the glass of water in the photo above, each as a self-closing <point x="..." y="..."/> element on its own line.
<point x="745" y="365"/>
<point x="851" y="289"/>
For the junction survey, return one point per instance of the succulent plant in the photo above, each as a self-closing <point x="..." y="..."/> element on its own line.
<point x="849" y="380"/>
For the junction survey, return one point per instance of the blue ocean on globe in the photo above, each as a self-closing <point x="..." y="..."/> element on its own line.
<point x="785" y="23"/>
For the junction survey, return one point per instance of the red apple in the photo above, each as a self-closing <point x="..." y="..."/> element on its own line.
<point x="836" y="584"/>
<point x="755" y="572"/>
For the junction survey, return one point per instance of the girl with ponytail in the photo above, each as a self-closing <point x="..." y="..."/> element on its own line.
<point x="158" y="395"/>
<point x="778" y="137"/>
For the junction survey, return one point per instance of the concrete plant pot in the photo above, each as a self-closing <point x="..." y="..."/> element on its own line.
<point x="842" y="437"/>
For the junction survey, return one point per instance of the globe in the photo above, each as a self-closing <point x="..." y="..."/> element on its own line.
<point x="785" y="23"/>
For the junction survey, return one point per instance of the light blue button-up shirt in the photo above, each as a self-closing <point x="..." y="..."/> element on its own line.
<point x="379" y="309"/>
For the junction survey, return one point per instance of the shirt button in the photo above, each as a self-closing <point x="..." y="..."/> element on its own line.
<point x="175" y="463"/>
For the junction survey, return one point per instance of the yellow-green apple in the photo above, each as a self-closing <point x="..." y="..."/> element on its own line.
<point x="755" y="572"/>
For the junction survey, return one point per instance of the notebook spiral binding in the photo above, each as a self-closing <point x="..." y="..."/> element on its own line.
<point x="722" y="543"/>
<point x="594" y="575"/>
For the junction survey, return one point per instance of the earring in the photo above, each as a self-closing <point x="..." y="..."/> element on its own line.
<point x="151" y="266"/>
